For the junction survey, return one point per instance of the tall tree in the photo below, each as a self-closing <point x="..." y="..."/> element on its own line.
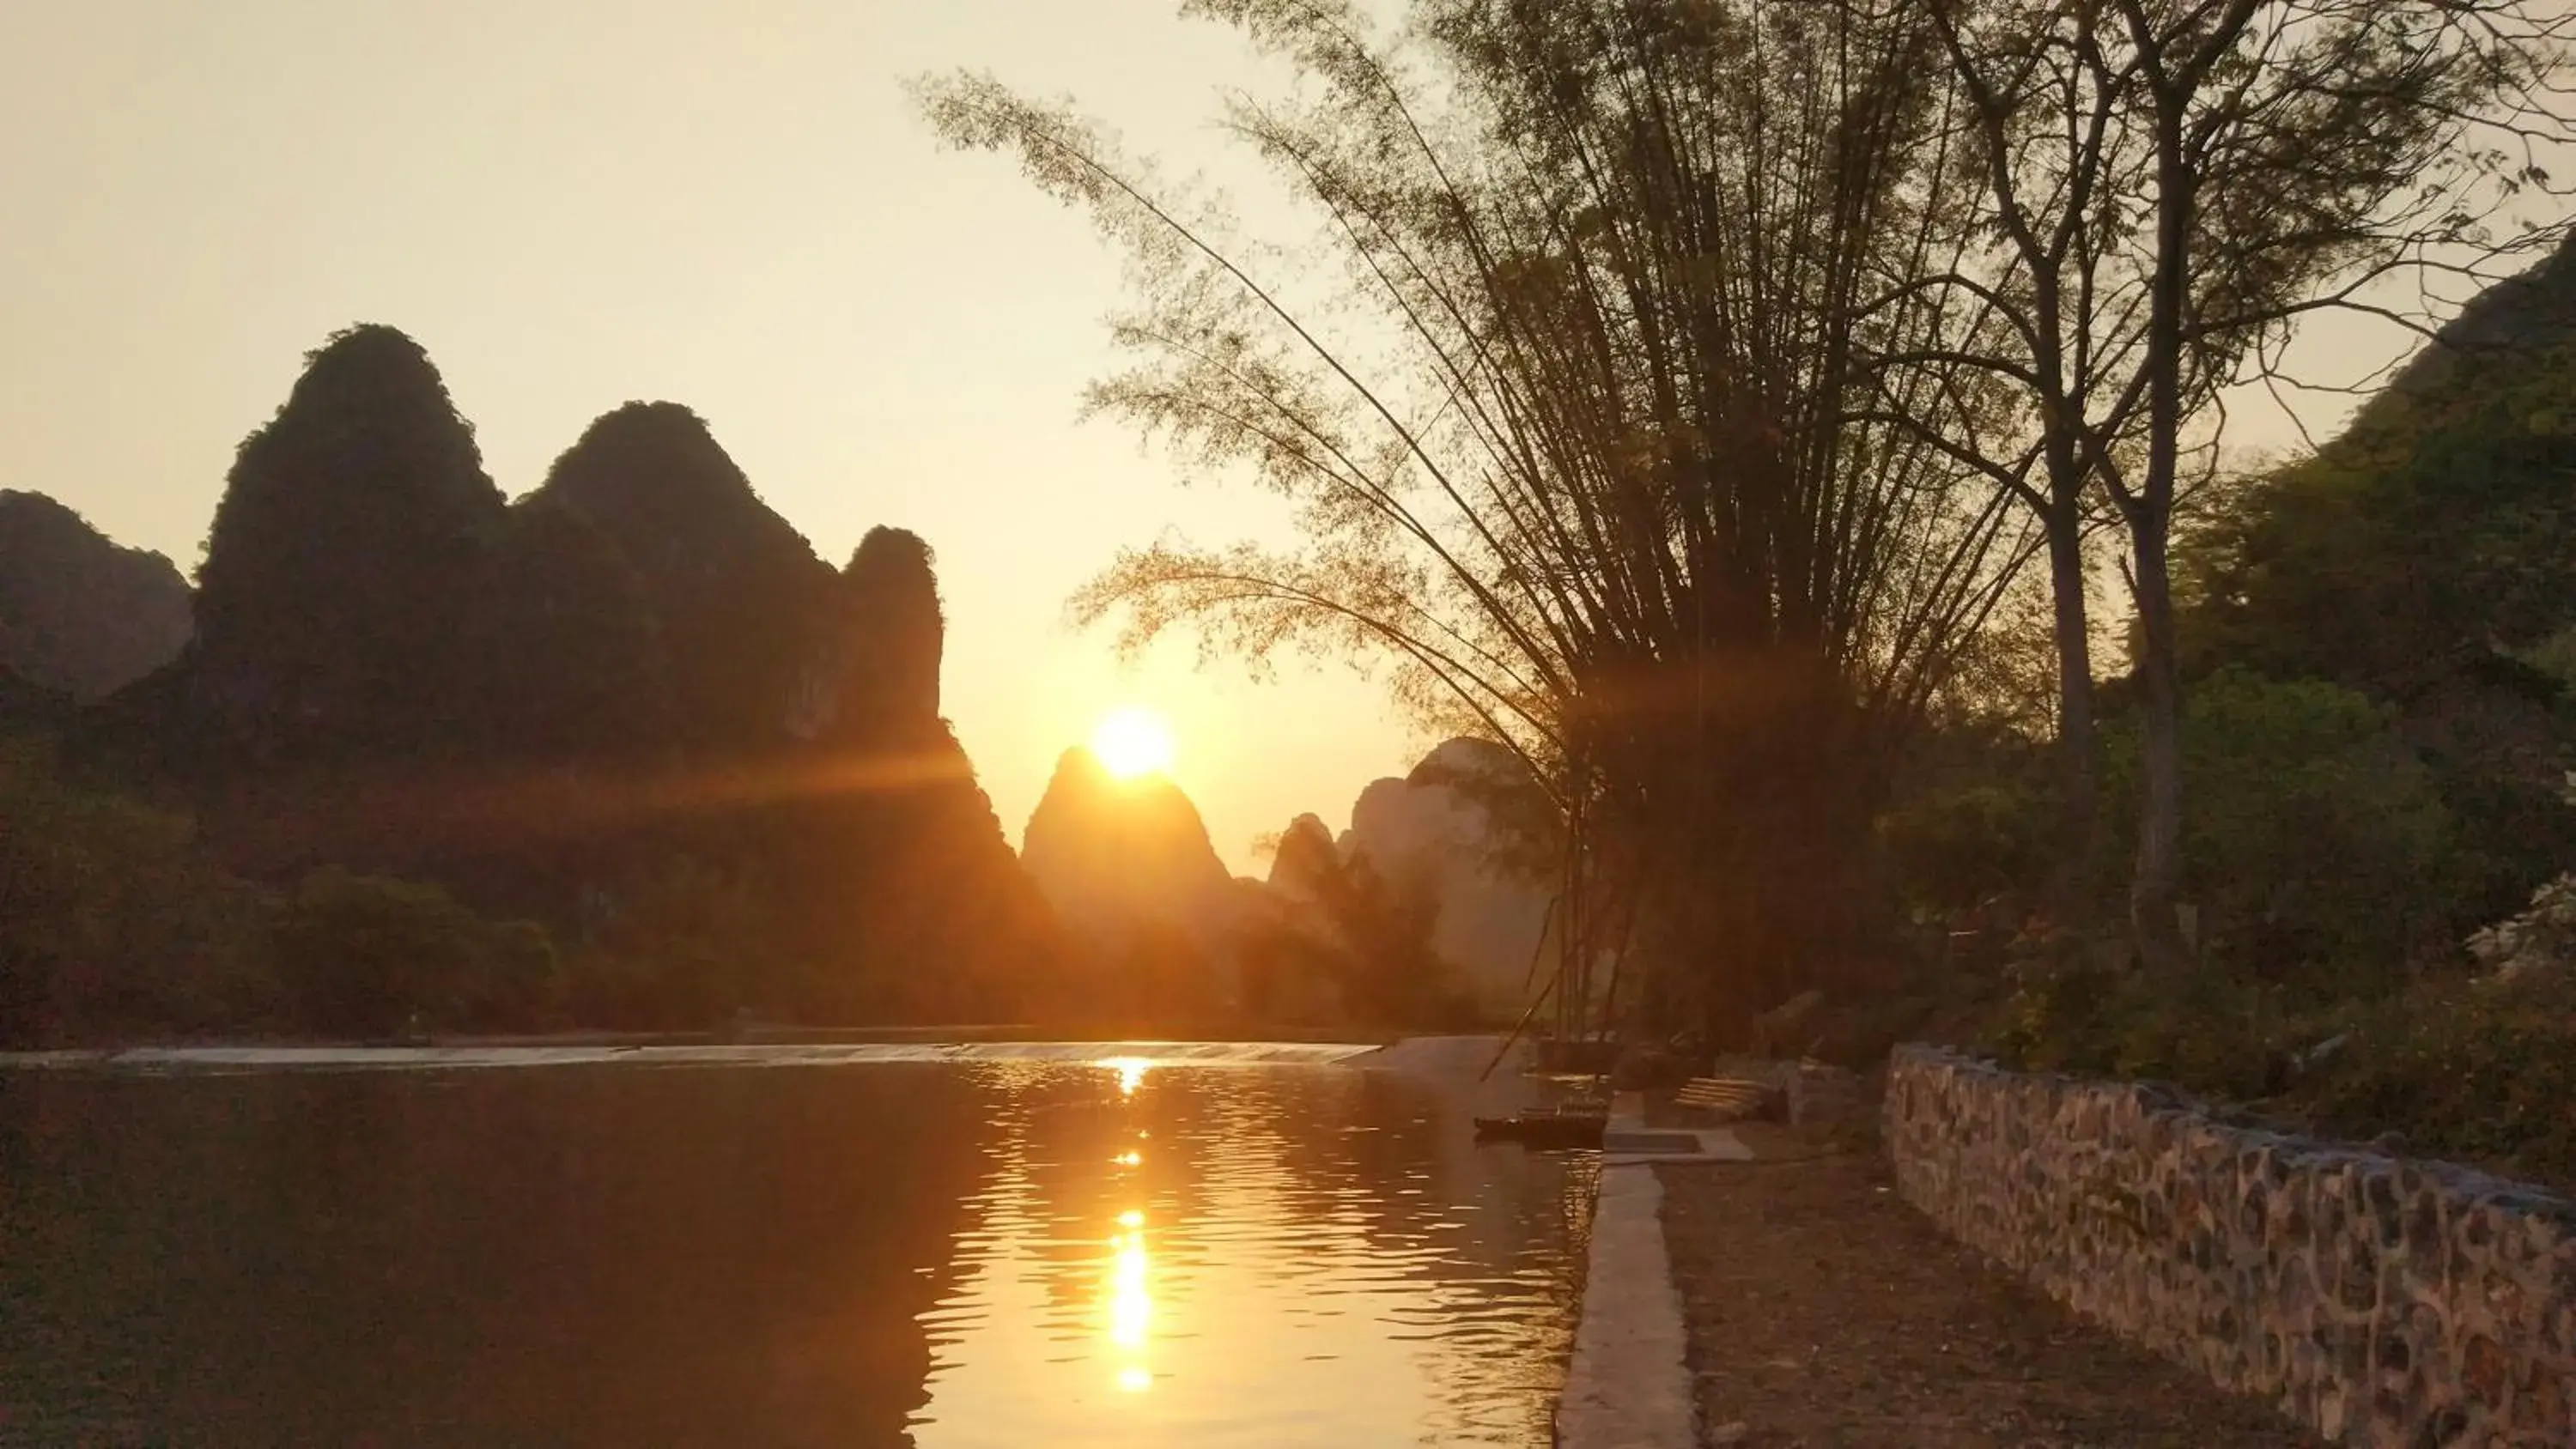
<point x="2173" y="184"/>
<point x="1595" y="469"/>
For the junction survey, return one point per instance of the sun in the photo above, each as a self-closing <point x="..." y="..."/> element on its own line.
<point x="1133" y="741"/>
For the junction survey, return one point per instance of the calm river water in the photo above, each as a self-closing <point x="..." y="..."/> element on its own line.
<point x="1009" y="1253"/>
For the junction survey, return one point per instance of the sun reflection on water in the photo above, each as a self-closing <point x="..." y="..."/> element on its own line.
<point x="1275" y="1274"/>
<point x="1131" y="1072"/>
<point x="1131" y="1301"/>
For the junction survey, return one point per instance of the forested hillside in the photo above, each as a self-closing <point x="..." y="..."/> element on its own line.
<point x="624" y="752"/>
<point x="2379" y="652"/>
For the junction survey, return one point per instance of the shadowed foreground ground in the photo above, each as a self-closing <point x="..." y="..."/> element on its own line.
<point x="1825" y="1312"/>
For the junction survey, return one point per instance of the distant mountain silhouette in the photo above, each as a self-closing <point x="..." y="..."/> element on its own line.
<point x="943" y="909"/>
<point x="1293" y="864"/>
<point x="1426" y="912"/>
<point x="1114" y="855"/>
<point x="337" y="590"/>
<point x="568" y="661"/>
<point x="890" y="647"/>
<point x="638" y="669"/>
<point x="1435" y="831"/>
<point x="80" y="615"/>
<point x="741" y="601"/>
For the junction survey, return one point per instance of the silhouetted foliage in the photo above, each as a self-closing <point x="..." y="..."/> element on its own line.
<point x="29" y="708"/>
<point x="2375" y="743"/>
<point x="2446" y="503"/>
<point x="2168" y="189"/>
<point x="2445" y="506"/>
<point x="2319" y="850"/>
<point x="1584" y="458"/>
<point x="371" y="956"/>
<point x="1955" y="847"/>
<point x="111" y="919"/>
<point x="682" y="947"/>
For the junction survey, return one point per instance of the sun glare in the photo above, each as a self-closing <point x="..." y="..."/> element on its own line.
<point x="1133" y="741"/>
<point x="1131" y="1300"/>
<point x="1131" y="1073"/>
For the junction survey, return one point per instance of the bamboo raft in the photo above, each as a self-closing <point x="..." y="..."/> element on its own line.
<point x="1731" y="1099"/>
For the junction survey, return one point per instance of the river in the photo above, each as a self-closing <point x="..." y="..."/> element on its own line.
<point x="1007" y="1246"/>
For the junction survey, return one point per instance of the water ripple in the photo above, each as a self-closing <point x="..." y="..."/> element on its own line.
<point x="948" y="1249"/>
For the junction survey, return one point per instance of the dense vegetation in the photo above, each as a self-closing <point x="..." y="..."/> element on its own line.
<point x="1733" y="411"/>
<point x="2380" y="723"/>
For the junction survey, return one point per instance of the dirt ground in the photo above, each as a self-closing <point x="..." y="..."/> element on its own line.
<point x="1823" y="1311"/>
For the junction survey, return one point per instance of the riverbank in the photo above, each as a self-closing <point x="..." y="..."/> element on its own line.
<point x="1822" y="1310"/>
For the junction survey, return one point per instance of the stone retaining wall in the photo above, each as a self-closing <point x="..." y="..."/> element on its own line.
<point x="2383" y="1302"/>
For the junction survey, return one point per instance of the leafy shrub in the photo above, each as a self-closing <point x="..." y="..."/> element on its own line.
<point x="2472" y="1071"/>
<point x="370" y="955"/>
<point x="676" y="950"/>
<point x="1956" y="847"/>
<point x="2462" y="1070"/>
<point x="2316" y="844"/>
<point x="2209" y="1032"/>
<point x="111" y="921"/>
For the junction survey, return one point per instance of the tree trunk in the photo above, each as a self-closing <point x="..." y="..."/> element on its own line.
<point x="2072" y="878"/>
<point x="2156" y="890"/>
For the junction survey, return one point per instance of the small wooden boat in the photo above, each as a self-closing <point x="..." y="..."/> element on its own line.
<point x="1544" y="1129"/>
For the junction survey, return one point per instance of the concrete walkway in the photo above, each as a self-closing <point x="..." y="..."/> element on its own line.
<point x="1629" y="1386"/>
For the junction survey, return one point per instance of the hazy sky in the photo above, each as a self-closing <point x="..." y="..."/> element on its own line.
<point x="733" y="207"/>
<point x="570" y="205"/>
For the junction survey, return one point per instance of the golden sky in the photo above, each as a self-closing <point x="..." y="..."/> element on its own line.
<point x="570" y="206"/>
<point x="733" y="207"/>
